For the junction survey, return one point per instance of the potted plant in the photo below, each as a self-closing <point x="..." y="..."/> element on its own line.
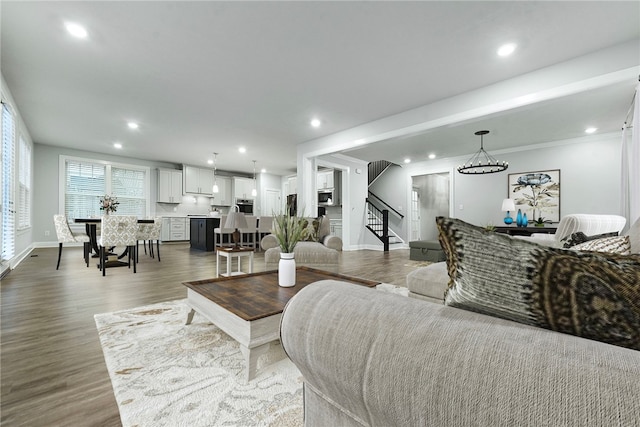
<point x="108" y="204"/>
<point x="540" y="222"/>
<point x="288" y="231"/>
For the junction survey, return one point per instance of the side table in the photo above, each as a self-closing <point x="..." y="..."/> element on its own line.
<point x="229" y="253"/>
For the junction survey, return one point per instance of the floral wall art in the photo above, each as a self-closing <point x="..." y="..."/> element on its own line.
<point x="537" y="194"/>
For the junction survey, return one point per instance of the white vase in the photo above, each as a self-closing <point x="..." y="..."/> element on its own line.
<point x="287" y="270"/>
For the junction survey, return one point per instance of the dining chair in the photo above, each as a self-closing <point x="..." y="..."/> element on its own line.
<point x="65" y="235"/>
<point x="156" y="232"/>
<point x="144" y="233"/>
<point x="265" y="226"/>
<point x="118" y="231"/>
<point x="248" y="233"/>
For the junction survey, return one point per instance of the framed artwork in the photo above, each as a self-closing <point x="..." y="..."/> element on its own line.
<point x="537" y="194"/>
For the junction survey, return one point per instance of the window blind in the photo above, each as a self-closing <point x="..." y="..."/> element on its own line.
<point x="24" y="185"/>
<point x="8" y="206"/>
<point x="129" y="187"/>
<point x="85" y="184"/>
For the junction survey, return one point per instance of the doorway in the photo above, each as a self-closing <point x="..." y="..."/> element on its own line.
<point x="432" y="200"/>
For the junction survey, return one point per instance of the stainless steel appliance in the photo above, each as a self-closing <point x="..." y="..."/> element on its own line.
<point x="245" y="206"/>
<point x="325" y="197"/>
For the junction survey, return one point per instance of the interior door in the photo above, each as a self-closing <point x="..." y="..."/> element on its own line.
<point x="415" y="214"/>
<point x="272" y="203"/>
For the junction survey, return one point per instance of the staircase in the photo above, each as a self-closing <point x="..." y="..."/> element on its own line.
<point x="378" y="221"/>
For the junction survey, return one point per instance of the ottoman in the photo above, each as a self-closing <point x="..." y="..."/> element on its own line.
<point x="429" y="283"/>
<point x="426" y="250"/>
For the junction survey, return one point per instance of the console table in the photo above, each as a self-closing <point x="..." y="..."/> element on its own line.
<point x="526" y="231"/>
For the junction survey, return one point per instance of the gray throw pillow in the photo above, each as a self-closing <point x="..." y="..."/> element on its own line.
<point x="588" y="294"/>
<point x="579" y="237"/>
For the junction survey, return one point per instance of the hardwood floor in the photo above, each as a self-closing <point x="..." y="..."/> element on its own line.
<point x="52" y="367"/>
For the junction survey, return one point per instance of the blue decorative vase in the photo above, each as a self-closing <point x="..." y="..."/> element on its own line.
<point x="525" y="221"/>
<point x="507" y="219"/>
<point x="519" y="218"/>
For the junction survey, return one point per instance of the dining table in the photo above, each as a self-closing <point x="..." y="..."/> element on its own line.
<point x="91" y="225"/>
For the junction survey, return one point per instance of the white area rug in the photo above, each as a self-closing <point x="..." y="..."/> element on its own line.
<point x="166" y="373"/>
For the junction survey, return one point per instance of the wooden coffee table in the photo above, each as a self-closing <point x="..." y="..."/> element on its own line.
<point x="248" y="308"/>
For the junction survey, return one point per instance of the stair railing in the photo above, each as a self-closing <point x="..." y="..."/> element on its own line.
<point x="378" y="223"/>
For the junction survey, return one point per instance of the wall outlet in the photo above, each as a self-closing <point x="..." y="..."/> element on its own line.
<point x="46" y="233"/>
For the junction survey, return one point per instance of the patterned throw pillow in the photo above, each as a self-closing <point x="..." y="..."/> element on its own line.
<point x="579" y="237"/>
<point x="312" y="226"/>
<point x="613" y="245"/>
<point x="588" y="294"/>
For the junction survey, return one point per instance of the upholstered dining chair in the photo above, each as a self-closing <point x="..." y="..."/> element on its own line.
<point x="149" y="232"/>
<point x="65" y="235"/>
<point x="118" y="231"/>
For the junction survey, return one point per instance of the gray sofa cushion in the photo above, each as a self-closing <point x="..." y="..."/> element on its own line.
<point x="306" y="253"/>
<point x="378" y="359"/>
<point x="588" y="294"/>
<point x="429" y="282"/>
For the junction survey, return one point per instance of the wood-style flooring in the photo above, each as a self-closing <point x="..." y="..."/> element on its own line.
<point x="52" y="367"/>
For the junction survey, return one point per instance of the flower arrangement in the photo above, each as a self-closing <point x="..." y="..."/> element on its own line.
<point x="109" y="203"/>
<point x="289" y="230"/>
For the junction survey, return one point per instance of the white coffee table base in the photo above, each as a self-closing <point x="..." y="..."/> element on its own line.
<point x="253" y="336"/>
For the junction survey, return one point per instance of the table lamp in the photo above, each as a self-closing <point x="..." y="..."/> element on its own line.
<point x="508" y="205"/>
<point x="236" y="220"/>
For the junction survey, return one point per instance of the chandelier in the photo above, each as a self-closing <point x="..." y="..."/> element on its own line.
<point x="482" y="162"/>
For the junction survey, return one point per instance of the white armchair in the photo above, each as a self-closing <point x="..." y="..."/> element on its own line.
<point x="589" y="224"/>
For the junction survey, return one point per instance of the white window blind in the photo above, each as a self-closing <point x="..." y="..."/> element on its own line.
<point x="87" y="181"/>
<point x="85" y="184"/>
<point x="129" y="188"/>
<point x="24" y="183"/>
<point x="8" y="206"/>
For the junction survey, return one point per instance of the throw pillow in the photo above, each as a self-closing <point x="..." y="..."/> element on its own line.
<point x="325" y="228"/>
<point x="579" y="237"/>
<point x="312" y="227"/>
<point x="612" y="245"/>
<point x="588" y="294"/>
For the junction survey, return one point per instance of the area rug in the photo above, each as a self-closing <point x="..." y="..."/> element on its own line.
<point x="166" y="373"/>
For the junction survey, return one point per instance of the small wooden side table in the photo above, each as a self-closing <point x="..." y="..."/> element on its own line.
<point x="229" y="253"/>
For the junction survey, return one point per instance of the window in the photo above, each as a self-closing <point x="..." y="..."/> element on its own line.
<point x="24" y="186"/>
<point x="86" y="181"/>
<point x="8" y="207"/>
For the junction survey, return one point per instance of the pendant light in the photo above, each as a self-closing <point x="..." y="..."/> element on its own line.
<point x="215" y="188"/>
<point x="482" y="162"/>
<point x="254" y="192"/>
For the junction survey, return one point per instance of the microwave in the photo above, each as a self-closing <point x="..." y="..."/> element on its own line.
<point x="325" y="197"/>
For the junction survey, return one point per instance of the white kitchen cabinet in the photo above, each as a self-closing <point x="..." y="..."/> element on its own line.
<point x="198" y="181"/>
<point x="169" y="186"/>
<point x="224" y="197"/>
<point x="325" y="179"/>
<point x="335" y="227"/>
<point x="174" y="229"/>
<point x="242" y="188"/>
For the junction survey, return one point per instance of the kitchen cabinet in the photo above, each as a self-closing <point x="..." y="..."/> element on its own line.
<point x="242" y="188"/>
<point x="174" y="229"/>
<point x="224" y="197"/>
<point x="201" y="232"/>
<point x="325" y="179"/>
<point x="169" y="186"/>
<point x="198" y="181"/>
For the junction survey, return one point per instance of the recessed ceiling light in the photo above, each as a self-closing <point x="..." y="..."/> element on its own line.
<point x="316" y="123"/>
<point x="210" y="161"/>
<point x="242" y="150"/>
<point x="263" y="170"/>
<point x="590" y="130"/>
<point x="506" y="49"/>
<point x="117" y="145"/>
<point x="407" y="160"/>
<point x="76" y="30"/>
<point x="133" y="125"/>
<point x="432" y="156"/>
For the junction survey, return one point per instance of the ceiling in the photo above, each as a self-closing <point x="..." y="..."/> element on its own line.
<point x="210" y="76"/>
